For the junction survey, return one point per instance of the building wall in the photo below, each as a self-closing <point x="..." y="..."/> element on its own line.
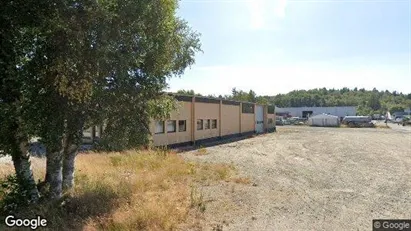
<point x="182" y="113"/>
<point x="272" y="125"/>
<point x="247" y="122"/>
<point x="206" y="111"/>
<point x="230" y="119"/>
<point x="228" y="114"/>
<point x="337" y="111"/>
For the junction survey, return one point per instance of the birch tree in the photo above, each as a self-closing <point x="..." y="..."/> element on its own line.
<point x="90" y="61"/>
<point x="137" y="46"/>
<point x="18" y="27"/>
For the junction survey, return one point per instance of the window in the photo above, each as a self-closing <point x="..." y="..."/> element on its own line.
<point x="248" y="108"/>
<point x="271" y="109"/>
<point x="213" y="124"/>
<point x="159" y="127"/>
<point x="199" y="124"/>
<point x="182" y="126"/>
<point x="270" y="120"/>
<point x="207" y="124"/>
<point x="171" y="126"/>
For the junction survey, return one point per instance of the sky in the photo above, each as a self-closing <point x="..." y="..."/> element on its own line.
<point x="276" y="46"/>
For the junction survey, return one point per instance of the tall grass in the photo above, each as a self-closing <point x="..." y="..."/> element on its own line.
<point x="135" y="190"/>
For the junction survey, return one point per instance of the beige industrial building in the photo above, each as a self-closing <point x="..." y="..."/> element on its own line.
<point x="200" y="119"/>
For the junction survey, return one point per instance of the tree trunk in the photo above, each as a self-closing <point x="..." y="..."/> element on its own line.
<point x="54" y="173"/>
<point x="72" y="143"/>
<point x="68" y="166"/>
<point x="22" y="166"/>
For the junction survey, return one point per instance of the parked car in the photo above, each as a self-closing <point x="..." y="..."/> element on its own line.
<point x="356" y="120"/>
<point x="376" y="117"/>
<point x="279" y="121"/>
<point x="406" y="120"/>
<point x="293" y="120"/>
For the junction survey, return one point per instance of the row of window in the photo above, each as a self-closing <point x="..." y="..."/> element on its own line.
<point x="171" y="126"/>
<point x="205" y="124"/>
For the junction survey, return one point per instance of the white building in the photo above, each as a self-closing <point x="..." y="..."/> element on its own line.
<point x="324" y="120"/>
<point x="305" y="112"/>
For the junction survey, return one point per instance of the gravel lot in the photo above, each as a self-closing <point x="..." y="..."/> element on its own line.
<point x="306" y="178"/>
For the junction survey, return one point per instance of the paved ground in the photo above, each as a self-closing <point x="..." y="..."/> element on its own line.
<point x="307" y="178"/>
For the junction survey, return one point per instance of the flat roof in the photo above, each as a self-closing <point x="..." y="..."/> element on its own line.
<point x="182" y="97"/>
<point x="314" y="107"/>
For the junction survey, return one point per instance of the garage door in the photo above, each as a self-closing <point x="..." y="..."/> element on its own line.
<point x="259" y="119"/>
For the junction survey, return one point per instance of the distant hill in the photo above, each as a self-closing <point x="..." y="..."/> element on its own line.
<point x="367" y="102"/>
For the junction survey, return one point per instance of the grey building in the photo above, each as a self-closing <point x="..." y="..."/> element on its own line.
<point x="305" y="112"/>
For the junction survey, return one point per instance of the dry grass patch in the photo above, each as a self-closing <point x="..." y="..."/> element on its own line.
<point x="288" y="130"/>
<point x="383" y="126"/>
<point x="135" y="190"/>
<point x="6" y="169"/>
<point x="241" y="180"/>
<point x="201" y="152"/>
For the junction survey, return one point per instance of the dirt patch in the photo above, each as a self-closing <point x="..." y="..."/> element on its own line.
<point x="311" y="178"/>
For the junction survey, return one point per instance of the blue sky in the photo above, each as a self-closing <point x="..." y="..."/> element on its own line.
<point x="276" y="46"/>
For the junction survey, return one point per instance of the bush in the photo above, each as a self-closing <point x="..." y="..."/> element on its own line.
<point x="13" y="194"/>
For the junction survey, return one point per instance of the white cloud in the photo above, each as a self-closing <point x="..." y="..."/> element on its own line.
<point x="256" y="14"/>
<point x="265" y="13"/>
<point x="279" y="11"/>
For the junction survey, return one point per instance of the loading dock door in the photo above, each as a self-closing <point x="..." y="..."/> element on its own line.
<point x="259" y="119"/>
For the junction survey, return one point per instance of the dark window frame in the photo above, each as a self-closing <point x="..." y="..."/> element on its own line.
<point x="207" y="124"/>
<point x="202" y="124"/>
<point x="248" y="108"/>
<point x="155" y="124"/>
<point x="271" y="109"/>
<point x="214" y="122"/>
<point x="185" y="126"/>
<point x="175" y="126"/>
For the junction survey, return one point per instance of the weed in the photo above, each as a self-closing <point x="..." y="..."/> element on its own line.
<point x="382" y="126"/>
<point x="241" y="180"/>
<point x="218" y="227"/>
<point x="201" y="151"/>
<point x="197" y="200"/>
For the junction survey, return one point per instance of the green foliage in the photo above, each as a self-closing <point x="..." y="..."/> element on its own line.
<point x="396" y="108"/>
<point x="13" y="194"/>
<point x="147" y="45"/>
<point x="68" y="64"/>
<point x="187" y="92"/>
<point x="367" y="102"/>
<point x="160" y="108"/>
<point x="94" y="61"/>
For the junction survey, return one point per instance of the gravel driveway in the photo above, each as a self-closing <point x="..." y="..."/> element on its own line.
<point x="306" y="178"/>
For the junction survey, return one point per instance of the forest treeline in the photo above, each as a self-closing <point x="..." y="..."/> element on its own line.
<point x="368" y="102"/>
